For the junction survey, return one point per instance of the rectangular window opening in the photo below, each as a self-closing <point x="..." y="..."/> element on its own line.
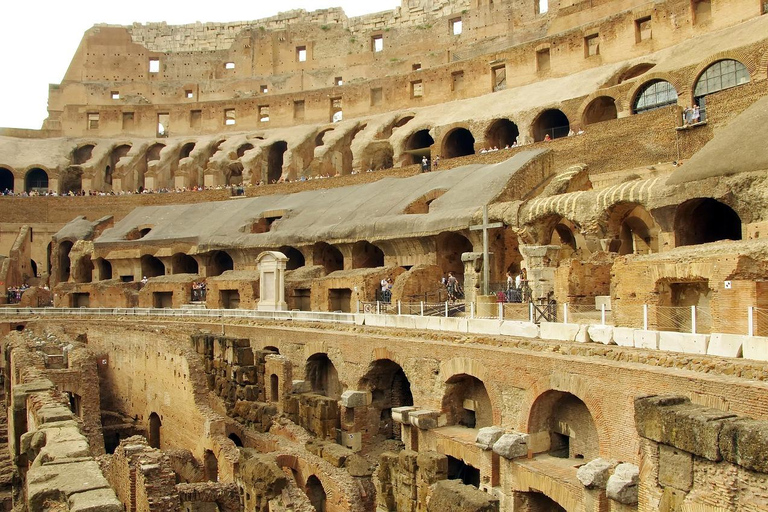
<point x="499" y="76"/>
<point x="127" y="120"/>
<point x="338" y="81"/>
<point x="702" y="11"/>
<point x="377" y="43"/>
<point x="298" y="110"/>
<point x="229" y="65"/>
<point x="591" y="45"/>
<point x="543" y="60"/>
<point x="301" y="53"/>
<point x="377" y="96"/>
<point x="115" y="95"/>
<point x="456" y="26"/>
<point x="416" y="66"/>
<point x="93" y="120"/>
<point x="163" y="124"/>
<point x="229" y="117"/>
<point x="643" y="29"/>
<point x="264" y="113"/>
<point x="336" y="110"/>
<point x="417" y="89"/>
<point x="457" y="80"/>
<point x="263" y="89"/>
<point x="195" y="118"/>
<point x="542" y="6"/>
<point x="154" y="65"/>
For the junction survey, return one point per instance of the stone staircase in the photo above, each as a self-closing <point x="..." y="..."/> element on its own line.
<point x="7" y="469"/>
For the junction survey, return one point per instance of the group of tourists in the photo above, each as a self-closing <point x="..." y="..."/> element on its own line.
<point x="198" y="291"/>
<point x="691" y="115"/>
<point x="452" y="287"/>
<point x="517" y="289"/>
<point x="14" y="293"/>
<point x="386" y="289"/>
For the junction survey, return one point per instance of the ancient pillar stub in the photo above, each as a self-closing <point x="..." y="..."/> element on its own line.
<point x="473" y="274"/>
<point x="540" y="262"/>
<point x="272" y="281"/>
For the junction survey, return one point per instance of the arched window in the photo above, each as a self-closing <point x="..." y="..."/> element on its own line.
<point x="723" y="74"/>
<point x="653" y="95"/>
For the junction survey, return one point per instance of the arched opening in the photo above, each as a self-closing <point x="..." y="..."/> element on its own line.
<point x="567" y="420"/>
<point x="536" y="501"/>
<point x="36" y="180"/>
<point x="221" y="262"/>
<point x="705" y="220"/>
<point x="563" y="235"/>
<point x="117" y="153"/>
<point x="153" y="152"/>
<point x="423" y="203"/>
<point x="184" y="264"/>
<point x="186" y="150"/>
<point x="458" y="469"/>
<point x="154" y="430"/>
<point x="653" y="95"/>
<point x="719" y="76"/>
<point x="552" y="124"/>
<point x="235" y="173"/>
<point x="242" y="149"/>
<point x="71" y="180"/>
<point x="634" y="227"/>
<point x="33" y="266"/>
<point x="6" y="180"/>
<point x="328" y="256"/>
<point x="84" y="273"/>
<point x="319" y="137"/>
<point x="272" y="349"/>
<point x="501" y="133"/>
<point x="104" y="269"/>
<point x="82" y="154"/>
<point x="389" y="388"/>
<point x="316" y="493"/>
<point x="382" y="157"/>
<point x="366" y="255"/>
<point x="236" y="439"/>
<point x="418" y="146"/>
<point x="466" y="402"/>
<point x="602" y="108"/>
<point x="64" y="262"/>
<point x="458" y="142"/>
<point x="322" y="375"/>
<point x="275" y="161"/>
<point x="210" y="466"/>
<point x="295" y="257"/>
<point x="274" y="387"/>
<point x="151" y="266"/>
<point x="636" y="71"/>
<point x="450" y="247"/>
<point x="403" y="121"/>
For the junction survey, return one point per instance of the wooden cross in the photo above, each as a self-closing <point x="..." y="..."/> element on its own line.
<point x="485" y="227"/>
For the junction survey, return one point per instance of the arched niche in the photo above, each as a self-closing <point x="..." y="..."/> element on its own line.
<point x="154" y="430"/>
<point x="295" y="257"/>
<point x="389" y="388"/>
<point x="36" y="180"/>
<point x="450" y="247"/>
<point x="705" y="220"/>
<point x="567" y="420"/>
<point x="458" y="142"/>
<point x="466" y="402"/>
<point x="6" y="180"/>
<point x="151" y="266"/>
<point x="220" y="262"/>
<point x="501" y="133"/>
<point x="367" y="255"/>
<point x="186" y="150"/>
<point x="328" y="256"/>
<point x="184" y="264"/>
<point x="553" y="123"/>
<point x="600" y="109"/>
<point x="418" y="146"/>
<point x="322" y="375"/>
<point x="275" y="158"/>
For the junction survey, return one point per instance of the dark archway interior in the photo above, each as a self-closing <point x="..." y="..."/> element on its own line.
<point x="210" y="466"/>
<point x="599" y="110"/>
<point x="367" y="255"/>
<point x="6" y="180"/>
<point x="321" y="373"/>
<point x="571" y="428"/>
<point x="105" y="269"/>
<point x="701" y="221"/>
<point x="501" y="133"/>
<point x="153" y="153"/>
<point x="236" y="439"/>
<point x="64" y="261"/>
<point x="184" y="264"/>
<point x="389" y="388"/>
<point x="220" y="263"/>
<point x="328" y="256"/>
<point x="459" y="142"/>
<point x="275" y="161"/>
<point x="117" y="153"/>
<point x="450" y="247"/>
<point x="553" y="123"/>
<point x="84" y="269"/>
<point x="460" y="470"/>
<point x="151" y="266"/>
<point x="466" y="402"/>
<point x="536" y="501"/>
<point x="186" y="150"/>
<point x="36" y="180"/>
<point x="316" y="493"/>
<point x="418" y="145"/>
<point x="154" y="430"/>
<point x="295" y="258"/>
<point x="242" y="149"/>
<point x="82" y="154"/>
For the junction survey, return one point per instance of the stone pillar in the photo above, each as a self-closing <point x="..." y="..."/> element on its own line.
<point x="540" y="263"/>
<point x="272" y="281"/>
<point x="473" y="275"/>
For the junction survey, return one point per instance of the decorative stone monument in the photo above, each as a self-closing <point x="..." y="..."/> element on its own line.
<point x="272" y="281"/>
<point x="540" y="262"/>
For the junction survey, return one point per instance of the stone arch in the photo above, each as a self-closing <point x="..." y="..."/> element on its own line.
<point x="117" y="153"/>
<point x="234" y="173"/>
<point x="422" y="204"/>
<point x="634" y="227"/>
<point x="273" y="349"/>
<point x="569" y="422"/>
<point x="103" y="268"/>
<point x="153" y="152"/>
<point x="155" y="425"/>
<point x="82" y="154"/>
<point x="652" y="94"/>
<point x="235" y="439"/>
<point x="319" y="137"/>
<point x="566" y="235"/>
<point x="243" y="148"/>
<point x="403" y="120"/>
<point x="458" y="142"/>
<point x="378" y="155"/>
<point x="323" y="376"/>
<point x="316" y="493"/>
<point x="220" y="262"/>
<point x="417" y="146"/>
<point x="275" y="159"/>
<point x="466" y="402"/>
<point x="151" y="266"/>
<point x="389" y="388"/>
<point x="366" y="255"/>
<point x="501" y="133"/>
<point x="71" y="180"/>
<point x="6" y="180"/>
<point x="449" y="248"/>
<point x="717" y="76"/>
<point x="600" y="109"/>
<point x="328" y="256"/>
<point x="186" y="150"/>
<point x="552" y="122"/>
<point x="295" y="257"/>
<point x="537" y="500"/>
<point x="635" y="71"/>
<point x="210" y="466"/>
<point x="84" y="269"/>
<point x="704" y="220"/>
<point x="36" y="179"/>
<point x="65" y="264"/>
<point x="184" y="264"/>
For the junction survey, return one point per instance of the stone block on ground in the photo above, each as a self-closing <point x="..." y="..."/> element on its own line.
<point x="336" y="454"/>
<point x="601" y="334"/>
<point x="622" y="485"/>
<point x="646" y="339"/>
<point x="97" y="500"/>
<point x="517" y="328"/>
<point x="624" y="336"/>
<point x="301" y="386"/>
<point x="487" y="436"/>
<point x="595" y="473"/>
<point x="564" y="332"/>
<point x="512" y="445"/>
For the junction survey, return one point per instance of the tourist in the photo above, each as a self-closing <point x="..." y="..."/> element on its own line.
<point x="696" y="116"/>
<point x="424" y="164"/>
<point x="547" y="138"/>
<point x="452" y="286"/>
<point x="436" y="163"/>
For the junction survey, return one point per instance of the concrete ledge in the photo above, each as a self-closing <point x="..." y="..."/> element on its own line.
<point x="374" y="320"/>
<point x="683" y="342"/>
<point x="755" y="347"/>
<point x="420" y="322"/>
<point x="564" y="332"/>
<point x="726" y="345"/>
<point x="484" y="326"/>
<point x="454" y="324"/>
<point x="359" y="319"/>
<point x="351" y="398"/>
<point x="646" y="339"/>
<point x="404" y="322"/>
<point x="434" y="323"/>
<point x="601" y="334"/>
<point x="423" y="420"/>
<point x="517" y="328"/>
<point x="624" y="336"/>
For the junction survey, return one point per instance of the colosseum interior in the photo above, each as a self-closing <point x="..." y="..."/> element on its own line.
<point x="196" y="246"/>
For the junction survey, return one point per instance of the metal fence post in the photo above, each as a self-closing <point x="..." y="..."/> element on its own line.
<point x="565" y="312"/>
<point x="750" y="319"/>
<point x="693" y="319"/>
<point x="645" y="317"/>
<point x="602" y="314"/>
<point x="446" y="309"/>
<point x="421" y="305"/>
<point x="399" y="309"/>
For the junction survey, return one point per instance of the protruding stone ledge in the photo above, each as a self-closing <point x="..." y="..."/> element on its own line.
<point x="352" y="399"/>
<point x="424" y="420"/>
<point x="512" y="445"/>
<point x="487" y="437"/>
<point x="402" y="414"/>
<point x="595" y="474"/>
<point x="622" y="485"/>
